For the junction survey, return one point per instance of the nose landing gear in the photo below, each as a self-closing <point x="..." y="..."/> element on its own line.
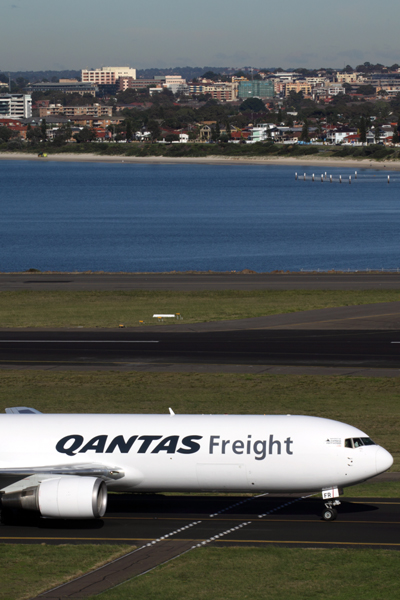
<point x="330" y="513"/>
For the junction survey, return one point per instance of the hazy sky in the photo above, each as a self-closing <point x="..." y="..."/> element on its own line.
<point x="75" y="34"/>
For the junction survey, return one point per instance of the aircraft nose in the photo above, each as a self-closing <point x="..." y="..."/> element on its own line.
<point x="383" y="460"/>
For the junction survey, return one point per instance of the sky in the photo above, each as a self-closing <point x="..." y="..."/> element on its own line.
<point x="74" y="34"/>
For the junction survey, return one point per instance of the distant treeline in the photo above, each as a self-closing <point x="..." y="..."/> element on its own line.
<point x="37" y="76"/>
<point x="260" y="149"/>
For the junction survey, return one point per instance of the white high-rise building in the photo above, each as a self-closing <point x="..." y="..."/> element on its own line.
<point x="107" y="75"/>
<point x="16" y="106"/>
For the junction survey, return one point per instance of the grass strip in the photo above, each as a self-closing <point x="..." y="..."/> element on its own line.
<point x="109" y="309"/>
<point x="372" y="404"/>
<point x="273" y="573"/>
<point x="27" y="570"/>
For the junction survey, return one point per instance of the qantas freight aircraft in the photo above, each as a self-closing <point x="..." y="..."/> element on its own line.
<point x="63" y="465"/>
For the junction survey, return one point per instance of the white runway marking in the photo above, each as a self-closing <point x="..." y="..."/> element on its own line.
<point x="79" y="341"/>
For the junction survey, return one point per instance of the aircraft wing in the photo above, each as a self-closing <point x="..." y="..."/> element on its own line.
<point x="83" y="470"/>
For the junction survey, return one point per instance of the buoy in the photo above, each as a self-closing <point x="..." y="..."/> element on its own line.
<point x="349" y="178"/>
<point x="388" y="178"/>
<point x="295" y="176"/>
<point x="340" y="179"/>
<point x="355" y="175"/>
<point x="313" y="176"/>
<point x="304" y="176"/>
<point x="330" y="178"/>
<point x="322" y="178"/>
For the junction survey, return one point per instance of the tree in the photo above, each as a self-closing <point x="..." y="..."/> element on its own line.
<point x="63" y="134"/>
<point x="367" y="90"/>
<point x="228" y="130"/>
<point x="128" y="133"/>
<point x="396" y="138"/>
<point x="252" y="105"/>
<point x="85" y="135"/>
<point x="289" y="121"/>
<point x="5" y="134"/>
<point x="304" y="132"/>
<point x="377" y="133"/>
<point x="154" y="129"/>
<point x="43" y="129"/>
<point x="172" y="137"/>
<point x="363" y="130"/>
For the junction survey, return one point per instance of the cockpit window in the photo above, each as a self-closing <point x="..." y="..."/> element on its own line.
<point x="358" y="442"/>
<point x="368" y="442"/>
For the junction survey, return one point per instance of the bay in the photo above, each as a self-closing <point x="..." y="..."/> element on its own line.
<point x="72" y="216"/>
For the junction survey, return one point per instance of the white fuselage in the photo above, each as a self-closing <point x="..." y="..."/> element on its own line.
<point x="195" y="452"/>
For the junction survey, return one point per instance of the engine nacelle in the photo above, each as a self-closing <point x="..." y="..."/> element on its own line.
<point x="67" y="497"/>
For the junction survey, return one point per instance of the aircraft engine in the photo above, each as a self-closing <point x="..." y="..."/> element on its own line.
<point x="62" y="498"/>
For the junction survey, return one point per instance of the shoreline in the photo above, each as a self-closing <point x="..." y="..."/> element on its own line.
<point x="362" y="163"/>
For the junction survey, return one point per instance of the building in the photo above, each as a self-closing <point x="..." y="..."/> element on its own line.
<point x="16" y="106"/>
<point x="175" y="83"/>
<point x="256" y="89"/>
<point x="221" y="91"/>
<point x="128" y="83"/>
<point x="335" y="88"/>
<point x="96" y="110"/>
<point x="107" y="75"/>
<point x="349" y="77"/>
<point x="95" y="122"/>
<point x="299" y="86"/>
<point x="68" y="87"/>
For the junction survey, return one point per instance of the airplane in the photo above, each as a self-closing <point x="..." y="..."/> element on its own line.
<point x="62" y="466"/>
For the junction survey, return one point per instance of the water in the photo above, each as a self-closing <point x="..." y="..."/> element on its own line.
<point x="130" y="217"/>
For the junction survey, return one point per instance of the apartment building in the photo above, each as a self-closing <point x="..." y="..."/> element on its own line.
<point x="107" y="75"/>
<point x="220" y="90"/>
<point x="349" y="77"/>
<point x="96" y="110"/>
<point x="298" y="86"/>
<point x="16" y="106"/>
<point x="256" y="89"/>
<point x="67" y="87"/>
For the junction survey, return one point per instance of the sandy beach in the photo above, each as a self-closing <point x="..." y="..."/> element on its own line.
<point x="364" y="163"/>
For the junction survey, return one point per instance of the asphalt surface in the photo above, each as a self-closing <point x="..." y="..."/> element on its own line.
<point x="123" y="348"/>
<point x="199" y="281"/>
<point x="262" y="520"/>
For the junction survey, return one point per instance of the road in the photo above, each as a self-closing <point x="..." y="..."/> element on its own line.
<point x="198" y="281"/>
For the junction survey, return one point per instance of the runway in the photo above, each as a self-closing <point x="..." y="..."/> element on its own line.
<point x="355" y="349"/>
<point x="222" y="520"/>
<point x="198" y="281"/>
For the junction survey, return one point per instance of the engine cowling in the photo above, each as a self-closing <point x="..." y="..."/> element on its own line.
<point x="63" y="498"/>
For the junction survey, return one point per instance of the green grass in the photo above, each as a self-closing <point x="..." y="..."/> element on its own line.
<point x="372" y="404"/>
<point x="27" y="570"/>
<point x="109" y="309"/>
<point x="386" y="489"/>
<point x="269" y="573"/>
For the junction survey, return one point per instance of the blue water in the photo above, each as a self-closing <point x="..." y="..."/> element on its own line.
<point x="130" y="217"/>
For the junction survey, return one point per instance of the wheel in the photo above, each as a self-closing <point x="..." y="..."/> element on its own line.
<point x="329" y="514"/>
